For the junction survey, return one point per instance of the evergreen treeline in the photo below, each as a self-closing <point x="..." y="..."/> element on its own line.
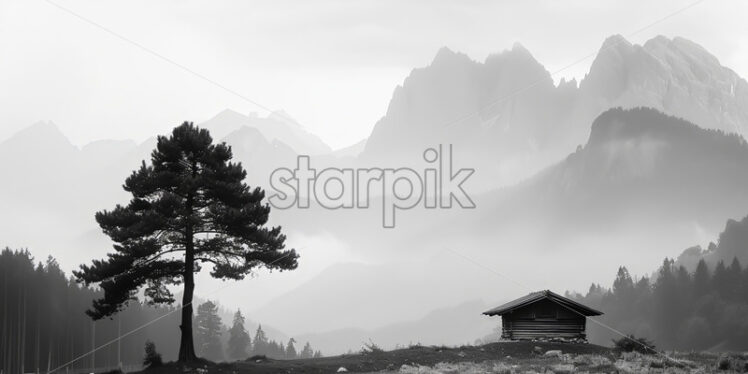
<point x="43" y="324"/>
<point x="216" y="343"/>
<point x="261" y="345"/>
<point x="678" y="309"/>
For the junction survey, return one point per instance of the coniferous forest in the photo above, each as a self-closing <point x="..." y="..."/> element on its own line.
<point x="703" y="309"/>
<point x="43" y="325"/>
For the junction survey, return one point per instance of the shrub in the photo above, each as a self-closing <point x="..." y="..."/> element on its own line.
<point x="152" y="358"/>
<point x="733" y="362"/>
<point x="257" y="358"/>
<point x="371" y="347"/>
<point x="631" y="343"/>
<point x="723" y="363"/>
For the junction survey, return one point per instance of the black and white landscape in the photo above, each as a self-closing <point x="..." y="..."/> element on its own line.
<point x="624" y="188"/>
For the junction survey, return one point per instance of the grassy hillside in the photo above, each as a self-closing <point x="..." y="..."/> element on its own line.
<point x="502" y="357"/>
<point x="377" y="360"/>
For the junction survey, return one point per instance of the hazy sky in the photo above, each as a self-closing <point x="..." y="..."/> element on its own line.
<point x="331" y="64"/>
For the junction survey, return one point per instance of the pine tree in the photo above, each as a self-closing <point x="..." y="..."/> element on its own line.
<point x="307" y="351"/>
<point x="239" y="341"/>
<point x="701" y="279"/>
<point x="734" y="275"/>
<point x="623" y="287"/>
<point x="667" y="305"/>
<point x="290" y="349"/>
<point x="276" y="350"/>
<point x="189" y="207"/>
<point x="623" y="284"/>
<point x="744" y="286"/>
<point x="260" y="343"/>
<point x="208" y="332"/>
<point x="720" y="280"/>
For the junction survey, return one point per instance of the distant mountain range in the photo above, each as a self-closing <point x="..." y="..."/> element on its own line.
<point x="507" y="119"/>
<point x="639" y="168"/>
<point x="277" y="128"/>
<point x="559" y="176"/>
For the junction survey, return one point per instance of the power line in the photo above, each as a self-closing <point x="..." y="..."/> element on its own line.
<point x="169" y="60"/>
<point x="283" y="115"/>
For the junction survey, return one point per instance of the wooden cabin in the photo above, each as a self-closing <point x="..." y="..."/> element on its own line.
<point x="543" y="315"/>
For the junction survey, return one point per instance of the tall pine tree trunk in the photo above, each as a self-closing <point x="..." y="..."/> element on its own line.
<point x="23" y="334"/>
<point x="186" y="344"/>
<point x="6" y="335"/>
<point x="37" y="341"/>
<point x="19" y="334"/>
<point x="49" y="358"/>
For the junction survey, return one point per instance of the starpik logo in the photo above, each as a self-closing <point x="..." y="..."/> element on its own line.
<point x="437" y="186"/>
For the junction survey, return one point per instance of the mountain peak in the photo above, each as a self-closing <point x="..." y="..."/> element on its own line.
<point x="518" y="47"/>
<point x="282" y="116"/>
<point x="518" y="52"/>
<point x="658" y="40"/>
<point x="247" y="133"/>
<point x="278" y="125"/>
<point x="662" y="46"/>
<point x="230" y="114"/>
<point x="37" y="140"/>
<point x="444" y="52"/>
<point x="615" y="41"/>
<point x="46" y="131"/>
<point x="447" y="56"/>
<point x="43" y="127"/>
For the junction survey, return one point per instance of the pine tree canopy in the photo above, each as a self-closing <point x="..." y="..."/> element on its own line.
<point x="189" y="207"/>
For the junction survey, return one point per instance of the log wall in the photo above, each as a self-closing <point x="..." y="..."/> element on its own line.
<point x="543" y="321"/>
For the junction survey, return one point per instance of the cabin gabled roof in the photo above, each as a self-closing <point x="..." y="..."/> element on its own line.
<point x="542" y="295"/>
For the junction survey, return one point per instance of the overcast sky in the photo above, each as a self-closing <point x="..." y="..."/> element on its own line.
<point x="330" y="64"/>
